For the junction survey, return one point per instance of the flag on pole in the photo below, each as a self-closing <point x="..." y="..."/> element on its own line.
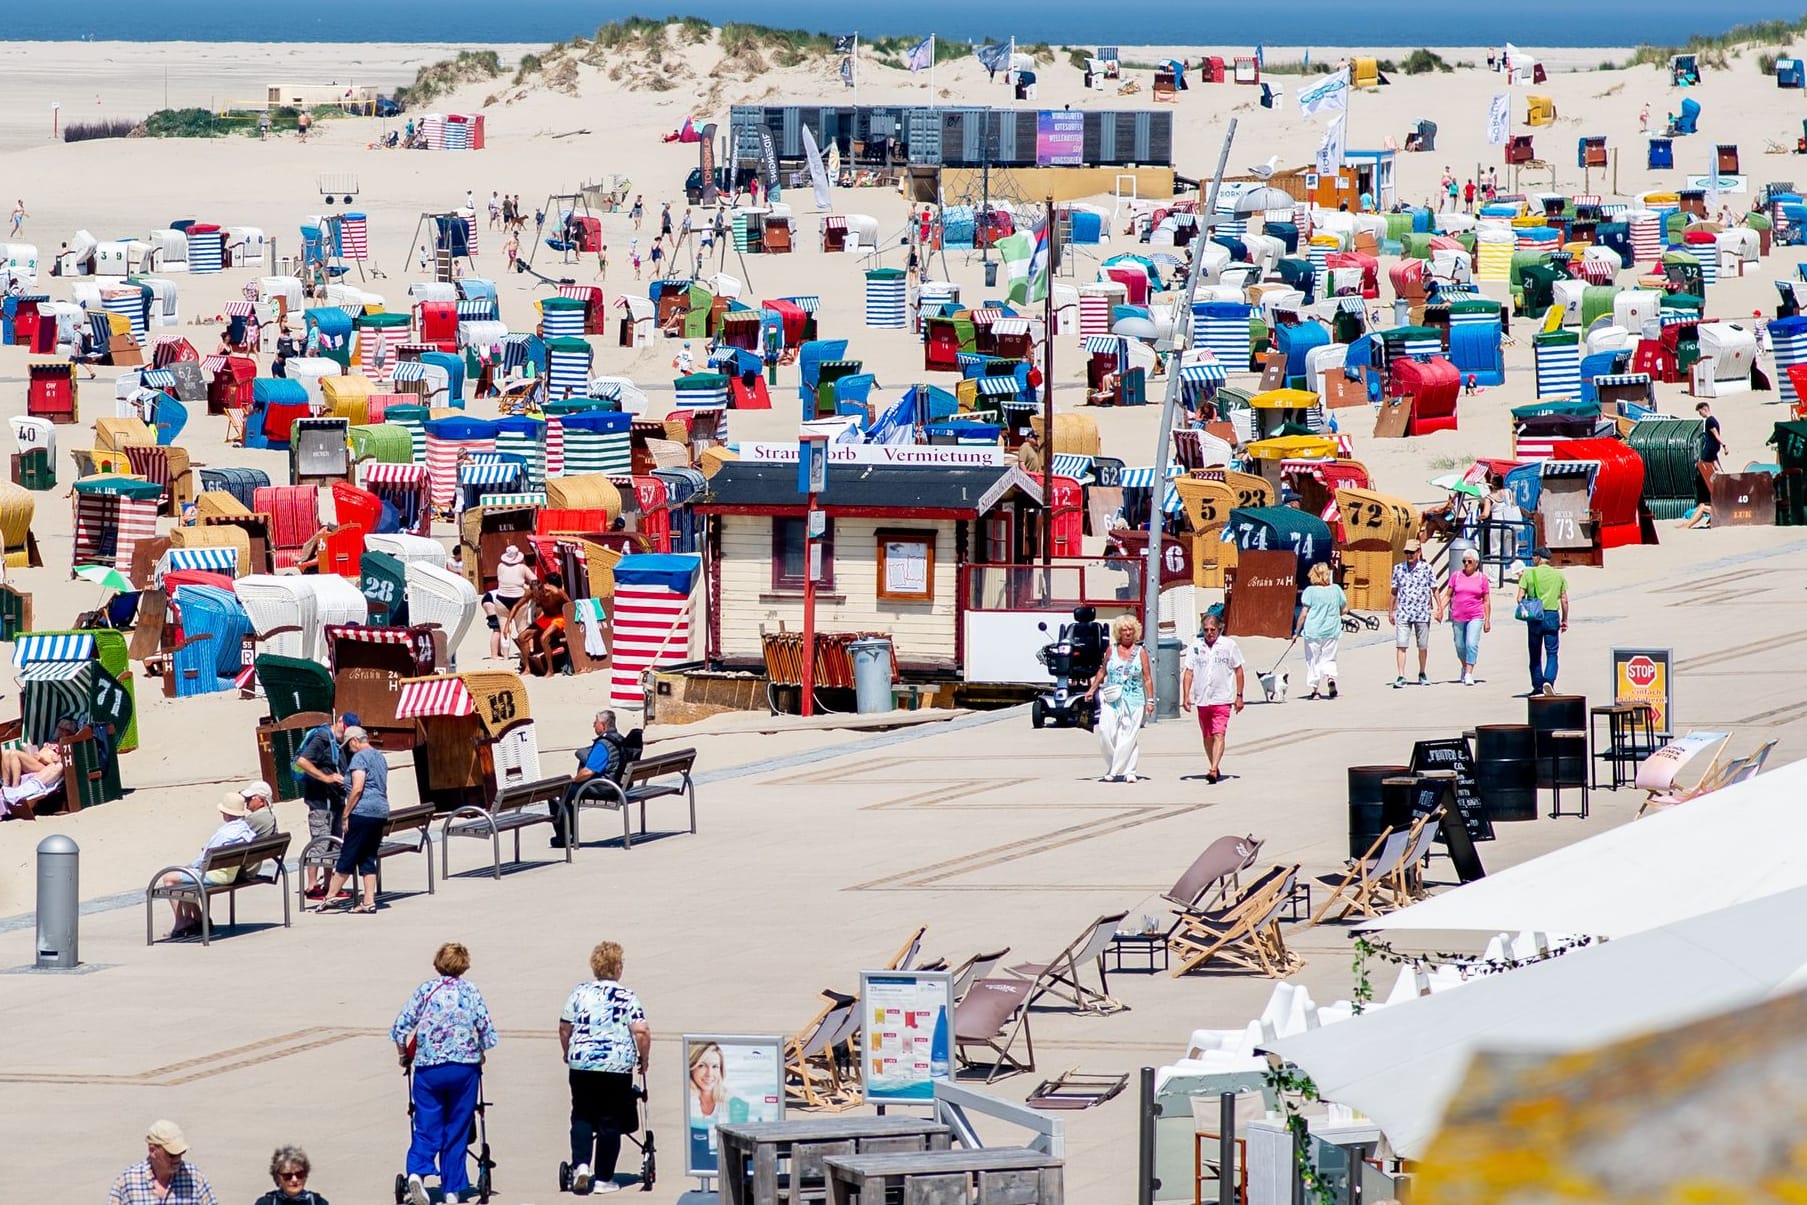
<point x="1499" y="118"/>
<point x="847" y="71"/>
<point x="922" y="55"/>
<point x="994" y="57"/>
<point x="843" y="43"/>
<point x="1308" y="56"/>
<point x="1330" y="96"/>
<point x="1330" y="151"/>
<point x="1260" y="65"/>
<point x="818" y="174"/>
<point x="1037" y="287"/>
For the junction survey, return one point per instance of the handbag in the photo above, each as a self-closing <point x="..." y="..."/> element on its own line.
<point x="413" y="1042"/>
<point x="1529" y="609"/>
<point x="1110" y="692"/>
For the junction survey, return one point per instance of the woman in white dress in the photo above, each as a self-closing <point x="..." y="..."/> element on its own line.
<point x="1121" y="691"/>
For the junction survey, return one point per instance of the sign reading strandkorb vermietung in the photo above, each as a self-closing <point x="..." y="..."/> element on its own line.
<point x="915" y="454"/>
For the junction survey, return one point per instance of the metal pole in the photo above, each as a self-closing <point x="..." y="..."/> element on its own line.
<point x="1227" y="1180"/>
<point x="809" y="607"/>
<point x="1298" y="1177"/>
<point x="1151" y="586"/>
<point x="1147" y="1116"/>
<point x="1048" y="394"/>
<point x="59" y="903"/>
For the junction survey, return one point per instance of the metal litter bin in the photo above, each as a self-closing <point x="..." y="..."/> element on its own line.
<point x="59" y="902"/>
<point x="871" y="674"/>
<point x="1168" y="652"/>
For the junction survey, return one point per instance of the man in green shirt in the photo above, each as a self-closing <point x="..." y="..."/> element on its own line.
<point x="1543" y="635"/>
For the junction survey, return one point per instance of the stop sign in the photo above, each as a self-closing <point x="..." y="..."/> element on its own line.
<point x="1640" y="672"/>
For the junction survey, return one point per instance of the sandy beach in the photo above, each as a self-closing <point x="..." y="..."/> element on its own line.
<point x="819" y="897"/>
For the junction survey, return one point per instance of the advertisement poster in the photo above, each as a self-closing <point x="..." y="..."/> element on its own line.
<point x="1059" y="138"/>
<point x="908" y="1019"/>
<point x="1642" y="676"/>
<point x="732" y="1078"/>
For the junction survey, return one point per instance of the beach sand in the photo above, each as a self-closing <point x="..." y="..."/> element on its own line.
<point x="542" y="142"/>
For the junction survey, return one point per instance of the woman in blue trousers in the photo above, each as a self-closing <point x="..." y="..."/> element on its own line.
<point x="447" y="1025"/>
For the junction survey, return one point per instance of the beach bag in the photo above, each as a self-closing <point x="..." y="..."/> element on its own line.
<point x="1530" y="610"/>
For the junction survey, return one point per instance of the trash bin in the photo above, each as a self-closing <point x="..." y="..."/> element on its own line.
<point x="1168" y="650"/>
<point x="991" y="273"/>
<point x="871" y="674"/>
<point x="59" y="872"/>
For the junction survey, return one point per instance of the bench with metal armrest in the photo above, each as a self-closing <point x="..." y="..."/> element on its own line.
<point x="405" y="831"/>
<point x="508" y="813"/>
<point x="246" y="860"/>
<point x="664" y="774"/>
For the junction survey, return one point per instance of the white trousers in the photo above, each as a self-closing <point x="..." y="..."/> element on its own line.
<point x="1320" y="661"/>
<point x="1118" y="731"/>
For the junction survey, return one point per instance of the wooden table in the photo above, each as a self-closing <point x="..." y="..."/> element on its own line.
<point x="763" y="1144"/>
<point x="1001" y="1173"/>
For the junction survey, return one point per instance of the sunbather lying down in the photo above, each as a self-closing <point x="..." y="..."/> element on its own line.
<point x="35" y="785"/>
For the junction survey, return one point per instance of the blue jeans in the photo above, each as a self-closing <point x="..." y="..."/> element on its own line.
<point x="1468" y="640"/>
<point x="1542" y="637"/>
<point x="445" y="1103"/>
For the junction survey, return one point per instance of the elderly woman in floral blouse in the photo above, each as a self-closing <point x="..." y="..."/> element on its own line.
<point x="442" y="1033"/>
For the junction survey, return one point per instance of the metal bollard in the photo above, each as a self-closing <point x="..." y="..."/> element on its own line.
<point x="59" y="901"/>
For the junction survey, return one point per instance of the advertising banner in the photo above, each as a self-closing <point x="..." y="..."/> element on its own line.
<point x="906" y="1034"/>
<point x="1059" y="138"/>
<point x="732" y="1078"/>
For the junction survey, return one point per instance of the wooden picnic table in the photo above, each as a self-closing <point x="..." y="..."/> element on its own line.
<point x="756" y="1148"/>
<point x="1004" y="1174"/>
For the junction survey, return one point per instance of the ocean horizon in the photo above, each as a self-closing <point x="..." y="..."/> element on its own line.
<point x="1319" y="23"/>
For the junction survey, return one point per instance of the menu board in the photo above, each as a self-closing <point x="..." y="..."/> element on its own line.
<point x="907" y="1034"/>
<point x="1452" y="753"/>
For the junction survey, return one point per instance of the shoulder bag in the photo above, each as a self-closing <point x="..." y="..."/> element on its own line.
<point x="413" y="1042"/>
<point x="1530" y="607"/>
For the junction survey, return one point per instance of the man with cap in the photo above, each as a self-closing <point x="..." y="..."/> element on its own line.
<point x="1029" y="453"/>
<point x="164" y="1177"/>
<point x="1543" y="603"/>
<point x="258" y="798"/>
<point x="320" y="765"/>
<point x="1409" y="608"/>
<point x="235" y="829"/>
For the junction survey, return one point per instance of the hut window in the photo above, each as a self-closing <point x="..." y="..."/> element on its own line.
<point x="788" y="552"/>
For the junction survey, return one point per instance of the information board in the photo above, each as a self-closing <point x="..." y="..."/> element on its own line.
<point x="1453" y="753"/>
<point x="907" y="1034"/>
<point x="727" y="1077"/>
<point x="1060" y="138"/>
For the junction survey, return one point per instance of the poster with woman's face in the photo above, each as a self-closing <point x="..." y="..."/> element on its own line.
<point x="739" y="1080"/>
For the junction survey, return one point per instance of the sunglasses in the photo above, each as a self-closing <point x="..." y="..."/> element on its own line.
<point x="291" y="1175"/>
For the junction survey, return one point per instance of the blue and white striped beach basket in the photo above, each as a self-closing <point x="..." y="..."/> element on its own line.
<point x="207" y="251"/>
<point x="529" y="446"/>
<point x="1788" y="339"/>
<point x="1223" y="327"/>
<point x="567" y="370"/>
<point x="885" y="299"/>
<point x="130" y="306"/>
<point x="1558" y="369"/>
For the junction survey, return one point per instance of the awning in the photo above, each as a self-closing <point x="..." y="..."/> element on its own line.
<point x="159" y="378"/>
<point x="213" y="364"/>
<point x="1010" y="326"/>
<point x="409" y="370"/>
<point x="536" y="499"/>
<point x="54" y="671"/>
<point x="808" y="305"/>
<point x="1143" y="478"/>
<point x="490" y="474"/>
<point x="441" y="696"/>
<point x="377" y="472"/>
<point x="212" y="560"/>
<point x="369" y="635"/>
<point x="30" y="648"/>
<point x="1101" y="344"/>
<point x="1568" y="468"/>
<point x="240" y="309"/>
<point x="1203" y="374"/>
<point x="1621" y="378"/>
<point x="477" y="309"/>
<point x="998" y="386"/>
<point x="984" y="316"/>
<point x="1068" y="464"/>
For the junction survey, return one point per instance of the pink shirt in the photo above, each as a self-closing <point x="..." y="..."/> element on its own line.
<point x="1467" y="595"/>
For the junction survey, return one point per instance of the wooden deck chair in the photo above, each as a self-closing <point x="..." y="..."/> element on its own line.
<point x="812" y="1074"/>
<point x="1215" y="873"/>
<point x="1245" y="934"/>
<point x="905" y="958"/>
<point x="1059" y="977"/>
<point x="1367" y="877"/>
<point x="235" y="426"/>
<point x="993" y="1015"/>
<point x="1418" y="852"/>
<point x="979" y="966"/>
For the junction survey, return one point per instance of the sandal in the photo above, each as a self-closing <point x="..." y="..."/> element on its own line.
<point x="366" y="909"/>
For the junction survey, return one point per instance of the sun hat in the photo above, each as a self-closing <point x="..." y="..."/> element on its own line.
<point x="512" y="555"/>
<point x="168" y="1135"/>
<point x="252" y="790"/>
<point x="1412" y="546"/>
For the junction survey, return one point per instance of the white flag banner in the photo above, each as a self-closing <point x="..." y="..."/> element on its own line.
<point x="818" y="175"/>
<point x="1512" y="58"/>
<point x="1330" y="151"/>
<point x="1329" y="96"/>
<point x="1499" y="118"/>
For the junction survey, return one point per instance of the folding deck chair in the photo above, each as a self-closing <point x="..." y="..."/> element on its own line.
<point x="979" y="966"/>
<point x="812" y="1073"/>
<point x="1244" y="934"/>
<point x="993" y="1014"/>
<point x="1214" y="873"/>
<point x="1368" y="878"/>
<point x="1059" y="977"/>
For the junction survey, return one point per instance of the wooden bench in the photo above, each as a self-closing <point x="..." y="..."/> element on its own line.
<point x="508" y="813"/>
<point x="193" y="888"/>
<point x="648" y="778"/>
<point x="405" y="831"/>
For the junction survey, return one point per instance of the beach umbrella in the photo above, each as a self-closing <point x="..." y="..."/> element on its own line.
<point x="1260" y="200"/>
<point x="1135" y="328"/>
<point x="106" y="577"/>
<point x="1455" y="483"/>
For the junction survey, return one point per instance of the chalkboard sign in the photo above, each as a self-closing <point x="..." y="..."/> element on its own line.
<point x="1452" y="753"/>
<point x="1439" y="790"/>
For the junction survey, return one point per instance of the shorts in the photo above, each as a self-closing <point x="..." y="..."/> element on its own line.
<point x="1405" y="630"/>
<point x="1214" y="718"/>
<point x="323" y="820"/>
<point x="218" y="878"/>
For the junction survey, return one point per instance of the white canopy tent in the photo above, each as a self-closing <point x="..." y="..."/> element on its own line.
<point x="1739" y="843"/>
<point x="1400" y="1064"/>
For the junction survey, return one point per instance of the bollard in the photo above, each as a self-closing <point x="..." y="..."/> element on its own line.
<point x="59" y="866"/>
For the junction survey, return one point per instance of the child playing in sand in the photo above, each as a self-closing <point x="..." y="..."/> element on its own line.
<point x="633" y="255"/>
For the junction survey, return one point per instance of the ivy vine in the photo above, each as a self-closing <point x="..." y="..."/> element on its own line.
<point x="1294" y="1089"/>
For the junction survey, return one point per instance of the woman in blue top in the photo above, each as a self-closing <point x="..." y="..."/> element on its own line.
<point x="450" y="1028"/>
<point x="1121" y="689"/>
<point x="1322" y="606"/>
<point x="606" y="1039"/>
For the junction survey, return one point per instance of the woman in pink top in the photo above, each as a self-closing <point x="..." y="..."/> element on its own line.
<point x="1469" y="606"/>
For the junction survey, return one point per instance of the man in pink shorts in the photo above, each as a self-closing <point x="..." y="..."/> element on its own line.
<point x="1211" y="681"/>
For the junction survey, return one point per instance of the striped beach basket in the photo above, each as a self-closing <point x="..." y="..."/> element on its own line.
<point x="1788" y="339"/>
<point x="1095" y="302"/>
<point x="1222" y="327"/>
<point x="447" y="439"/>
<point x="526" y="438"/>
<point x="206" y="250"/>
<point x="1646" y="236"/>
<point x="885" y="299"/>
<point x="562" y="317"/>
<point x="567" y="367"/>
<point x="354" y="236"/>
<point x="598" y="441"/>
<point x="1558" y="360"/>
<point x="701" y="391"/>
<point x="651" y="621"/>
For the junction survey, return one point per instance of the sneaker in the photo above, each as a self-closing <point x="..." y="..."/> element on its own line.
<point x="580" y="1179"/>
<point x="317" y="892"/>
<point x="1423" y="680"/>
<point x="1549" y="688"/>
<point x="417" y="1192"/>
<point x="1399" y="682"/>
<point x="1467" y="678"/>
<point x="606" y="1186"/>
<point x="1130" y="778"/>
<point x="1332" y="693"/>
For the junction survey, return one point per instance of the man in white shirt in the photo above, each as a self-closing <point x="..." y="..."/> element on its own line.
<point x="235" y="830"/>
<point x="1211" y="681"/>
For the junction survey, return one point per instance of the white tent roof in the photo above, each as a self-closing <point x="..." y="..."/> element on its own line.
<point x="1401" y="1064"/>
<point x="1742" y="842"/>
